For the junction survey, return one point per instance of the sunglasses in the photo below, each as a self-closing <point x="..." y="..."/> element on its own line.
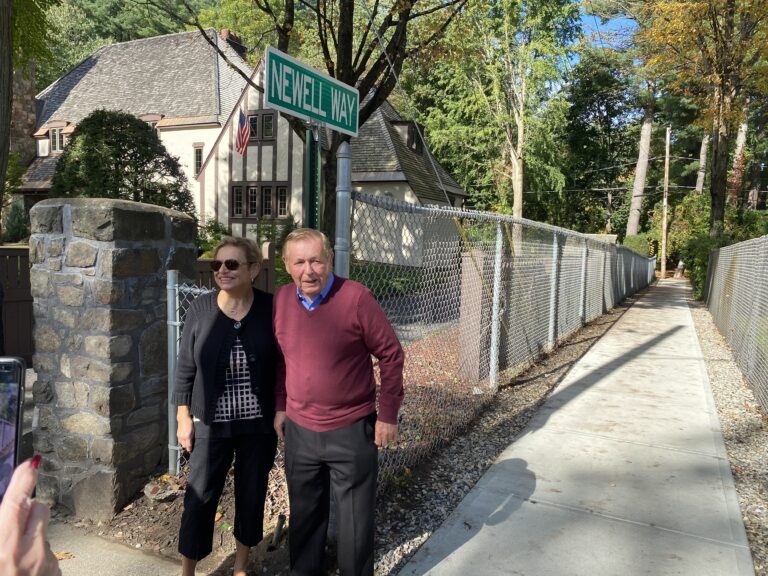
<point x="229" y="263"/>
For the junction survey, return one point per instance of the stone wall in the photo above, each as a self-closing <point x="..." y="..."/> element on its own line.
<point x="98" y="279"/>
<point x="23" y="115"/>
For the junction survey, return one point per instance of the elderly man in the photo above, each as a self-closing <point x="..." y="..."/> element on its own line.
<point x="327" y="328"/>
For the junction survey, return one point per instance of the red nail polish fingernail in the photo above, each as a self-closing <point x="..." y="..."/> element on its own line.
<point x="36" y="459"/>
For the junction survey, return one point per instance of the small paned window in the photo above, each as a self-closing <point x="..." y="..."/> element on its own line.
<point x="57" y="139"/>
<point x="198" y="160"/>
<point x="253" y="201"/>
<point x="237" y="201"/>
<point x="266" y="202"/>
<point x="268" y="126"/>
<point x="282" y="202"/>
<point x="254" y="120"/>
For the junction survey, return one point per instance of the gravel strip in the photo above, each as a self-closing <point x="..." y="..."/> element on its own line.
<point x="744" y="424"/>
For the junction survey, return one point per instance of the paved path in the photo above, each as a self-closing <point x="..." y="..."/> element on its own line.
<point x="622" y="472"/>
<point x="90" y="555"/>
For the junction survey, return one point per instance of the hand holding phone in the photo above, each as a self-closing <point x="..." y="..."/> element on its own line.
<point x="12" y="372"/>
<point x="24" y="548"/>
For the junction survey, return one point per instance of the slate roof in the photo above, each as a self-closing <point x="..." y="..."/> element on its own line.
<point x="39" y="174"/>
<point x="379" y="148"/>
<point x="174" y="75"/>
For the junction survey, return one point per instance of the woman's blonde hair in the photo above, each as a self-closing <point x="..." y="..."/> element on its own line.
<point x="251" y="249"/>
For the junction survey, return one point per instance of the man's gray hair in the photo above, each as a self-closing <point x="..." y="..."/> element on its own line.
<point x="306" y="234"/>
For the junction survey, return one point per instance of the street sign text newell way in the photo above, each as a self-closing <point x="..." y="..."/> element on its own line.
<point x="297" y="89"/>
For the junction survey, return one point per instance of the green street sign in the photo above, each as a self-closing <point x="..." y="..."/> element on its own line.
<point x="297" y="89"/>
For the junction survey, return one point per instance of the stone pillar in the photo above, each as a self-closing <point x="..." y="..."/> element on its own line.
<point x="98" y="283"/>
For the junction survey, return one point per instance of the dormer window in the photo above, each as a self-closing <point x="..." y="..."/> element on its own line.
<point x="414" y="138"/>
<point x="56" y="136"/>
<point x="409" y="132"/>
<point x="152" y="120"/>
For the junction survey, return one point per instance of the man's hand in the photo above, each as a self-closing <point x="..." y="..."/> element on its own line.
<point x="385" y="434"/>
<point x="185" y="428"/>
<point x="280" y="424"/>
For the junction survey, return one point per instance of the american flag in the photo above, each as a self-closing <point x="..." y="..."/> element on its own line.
<point x="243" y="134"/>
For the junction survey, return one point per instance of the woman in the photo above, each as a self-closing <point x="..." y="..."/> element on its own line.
<point x="224" y="393"/>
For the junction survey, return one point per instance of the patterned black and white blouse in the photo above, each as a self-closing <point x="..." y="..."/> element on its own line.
<point x="237" y="402"/>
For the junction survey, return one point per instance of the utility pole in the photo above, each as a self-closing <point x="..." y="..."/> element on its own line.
<point x="664" y="210"/>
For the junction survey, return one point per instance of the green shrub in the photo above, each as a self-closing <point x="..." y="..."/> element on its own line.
<point x="640" y="243"/>
<point x="209" y="235"/>
<point x="17" y="225"/>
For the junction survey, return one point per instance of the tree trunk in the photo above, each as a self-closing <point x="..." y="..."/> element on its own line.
<point x="518" y="153"/>
<point x="638" y="188"/>
<point x="702" y="163"/>
<point x="739" y="163"/>
<point x="6" y="89"/>
<point x="719" y="174"/>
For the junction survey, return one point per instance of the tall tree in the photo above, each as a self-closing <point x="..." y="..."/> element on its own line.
<point x="23" y="38"/>
<point x="641" y="168"/>
<point x="710" y="49"/>
<point x="523" y="48"/>
<point x="601" y="113"/>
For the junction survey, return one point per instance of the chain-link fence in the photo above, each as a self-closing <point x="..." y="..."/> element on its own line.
<point x="737" y="297"/>
<point x="476" y="298"/>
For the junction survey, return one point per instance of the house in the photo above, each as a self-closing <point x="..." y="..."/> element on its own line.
<point x="199" y="105"/>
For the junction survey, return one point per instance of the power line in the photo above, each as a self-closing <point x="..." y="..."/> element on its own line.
<point x="606" y="189"/>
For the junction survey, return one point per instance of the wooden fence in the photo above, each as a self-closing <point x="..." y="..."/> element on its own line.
<point x="16" y="335"/>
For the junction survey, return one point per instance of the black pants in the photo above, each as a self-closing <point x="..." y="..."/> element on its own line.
<point x="345" y="461"/>
<point x="208" y="466"/>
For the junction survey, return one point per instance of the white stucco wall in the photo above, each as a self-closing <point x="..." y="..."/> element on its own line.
<point x="179" y="142"/>
<point x="399" y="191"/>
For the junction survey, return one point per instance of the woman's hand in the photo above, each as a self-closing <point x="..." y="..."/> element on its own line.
<point x="24" y="550"/>
<point x="185" y="428"/>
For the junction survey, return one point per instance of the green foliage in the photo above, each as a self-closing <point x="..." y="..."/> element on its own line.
<point x="17" y="225"/>
<point x="386" y="280"/>
<point x="243" y="17"/>
<point x="116" y="155"/>
<point x="274" y="231"/>
<point x="13" y="174"/>
<point x="688" y="234"/>
<point x="75" y="37"/>
<point x="600" y="143"/>
<point x="209" y="235"/>
<point x="120" y="21"/>
<point x="31" y="37"/>
<point x="640" y="243"/>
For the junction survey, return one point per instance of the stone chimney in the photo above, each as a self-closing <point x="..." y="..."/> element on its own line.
<point x="234" y="42"/>
<point x="23" y="117"/>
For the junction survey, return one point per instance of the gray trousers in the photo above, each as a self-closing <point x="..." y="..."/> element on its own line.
<point x="344" y="461"/>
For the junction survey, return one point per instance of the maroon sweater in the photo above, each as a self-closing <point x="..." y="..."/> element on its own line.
<point x="325" y="375"/>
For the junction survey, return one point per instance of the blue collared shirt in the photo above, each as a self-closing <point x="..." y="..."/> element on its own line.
<point x="315" y="302"/>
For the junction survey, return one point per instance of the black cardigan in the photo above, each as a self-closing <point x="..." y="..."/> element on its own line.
<point x="208" y="335"/>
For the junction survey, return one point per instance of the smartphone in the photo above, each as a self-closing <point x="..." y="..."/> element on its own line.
<point x="12" y="371"/>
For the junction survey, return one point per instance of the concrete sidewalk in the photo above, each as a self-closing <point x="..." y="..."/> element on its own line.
<point x="622" y="471"/>
<point x="91" y="555"/>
